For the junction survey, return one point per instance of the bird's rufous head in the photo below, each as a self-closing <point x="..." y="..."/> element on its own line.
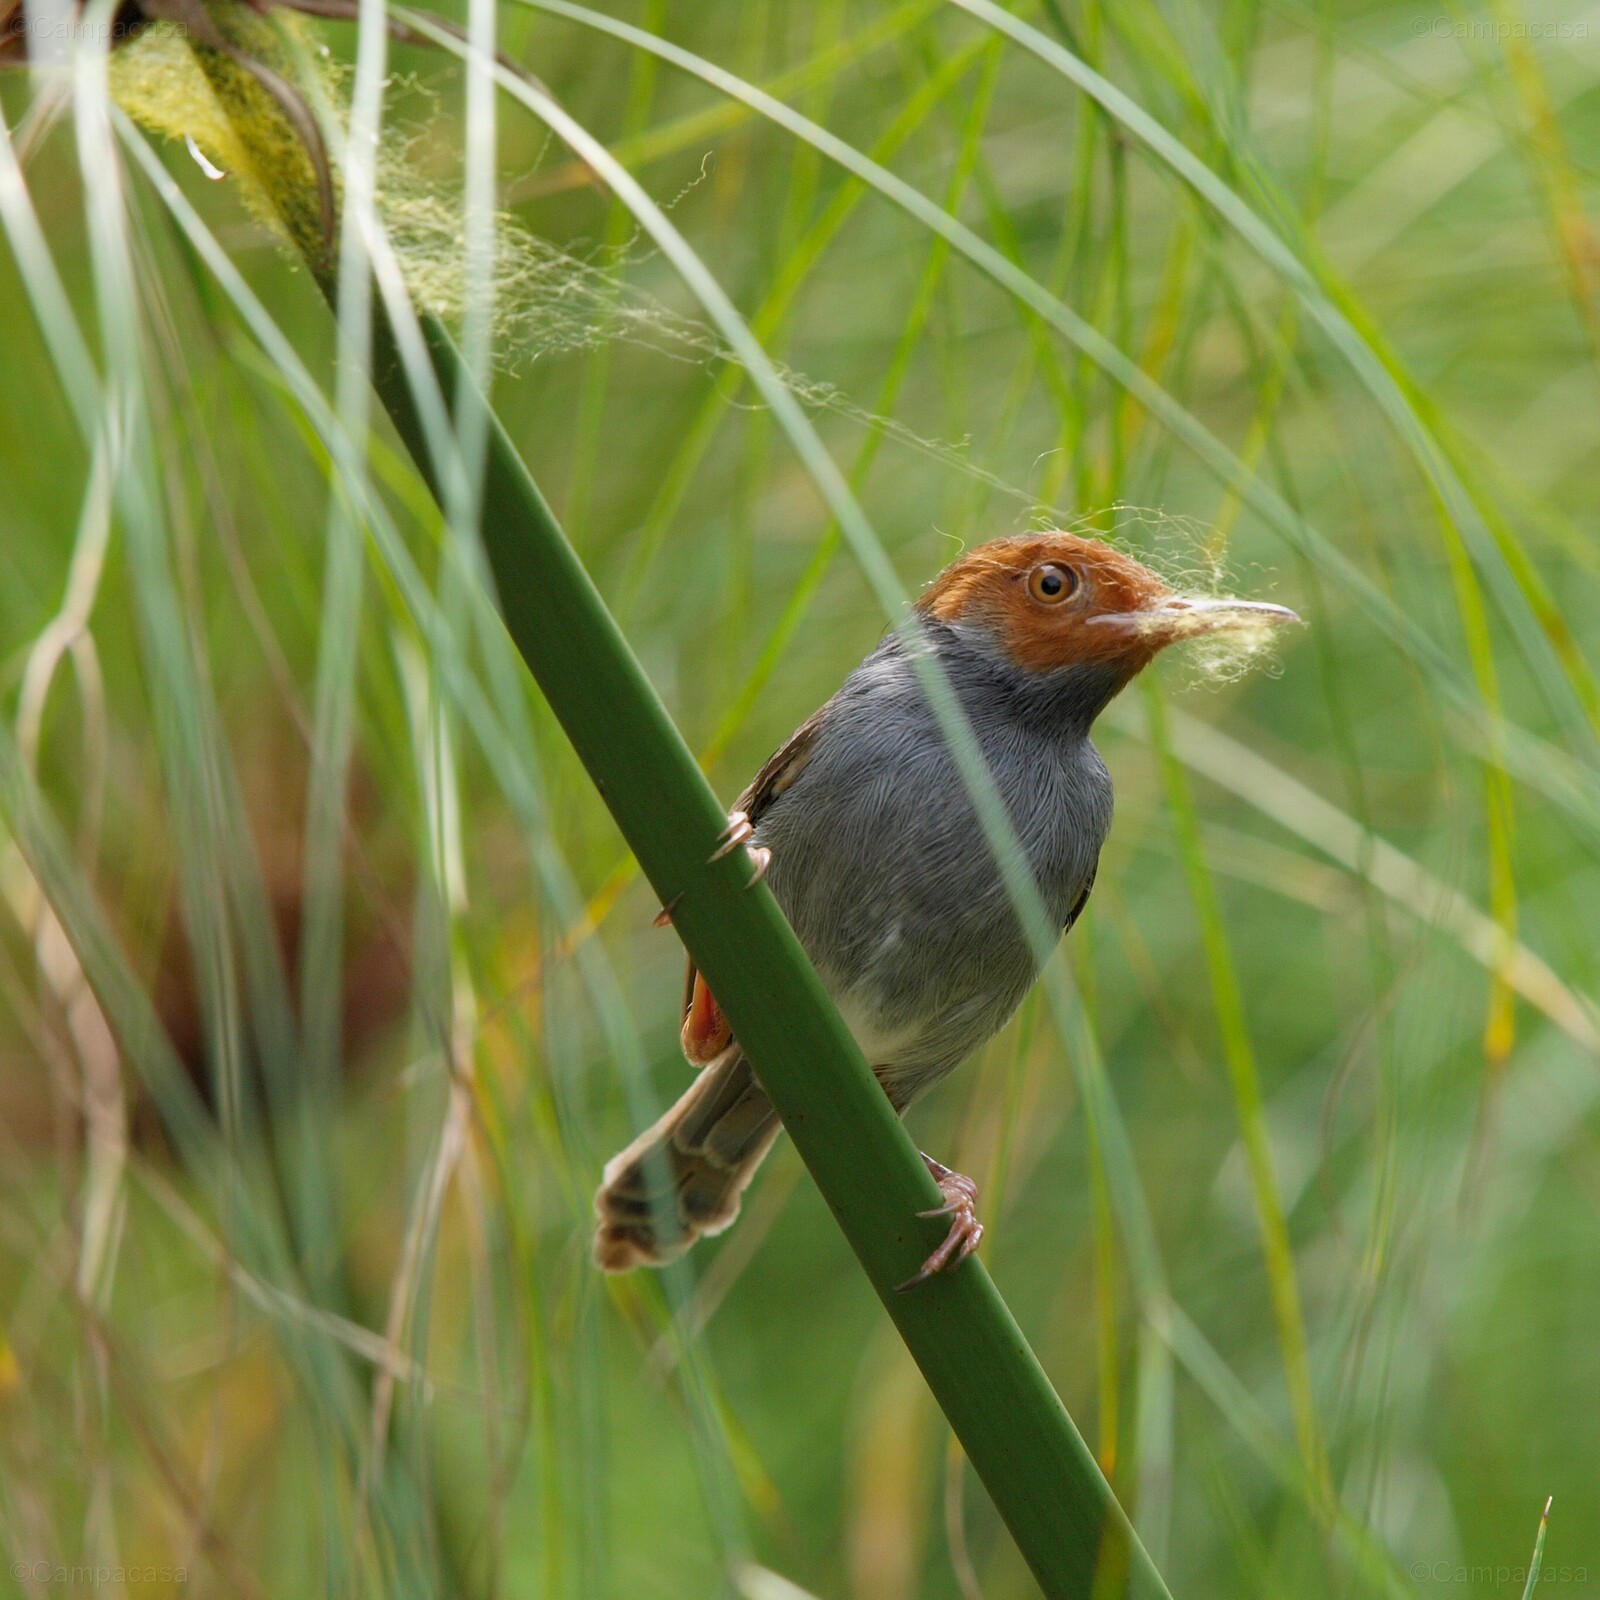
<point x="1054" y="600"/>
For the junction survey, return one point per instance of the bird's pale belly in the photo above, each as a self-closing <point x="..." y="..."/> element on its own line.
<point x="918" y="1006"/>
<point x="880" y="1039"/>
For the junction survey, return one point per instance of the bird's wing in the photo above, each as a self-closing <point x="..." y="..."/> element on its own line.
<point x="780" y="771"/>
<point x="1082" y="900"/>
<point x="706" y="1034"/>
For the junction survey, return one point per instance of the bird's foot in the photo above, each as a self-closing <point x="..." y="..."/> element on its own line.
<point x="740" y="832"/>
<point x="960" y="1203"/>
<point x="761" y="859"/>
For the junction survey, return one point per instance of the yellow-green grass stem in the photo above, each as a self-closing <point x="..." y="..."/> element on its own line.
<point x="1239" y="1054"/>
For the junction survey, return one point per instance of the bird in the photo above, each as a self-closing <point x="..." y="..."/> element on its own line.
<point x="865" y="832"/>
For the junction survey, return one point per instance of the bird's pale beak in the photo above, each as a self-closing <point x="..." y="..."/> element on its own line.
<point x="1175" y="617"/>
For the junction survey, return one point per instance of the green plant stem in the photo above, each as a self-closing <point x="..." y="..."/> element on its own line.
<point x="1017" y="1434"/>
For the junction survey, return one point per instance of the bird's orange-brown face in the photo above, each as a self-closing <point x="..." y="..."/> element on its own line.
<point x="1054" y="600"/>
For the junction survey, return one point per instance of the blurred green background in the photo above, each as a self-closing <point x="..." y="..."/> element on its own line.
<point x="294" y="1287"/>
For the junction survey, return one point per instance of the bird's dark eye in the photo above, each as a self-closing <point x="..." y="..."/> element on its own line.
<point x="1051" y="584"/>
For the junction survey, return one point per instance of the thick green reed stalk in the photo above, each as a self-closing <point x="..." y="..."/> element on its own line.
<point x="1024" y="1446"/>
<point x="1012" y="1425"/>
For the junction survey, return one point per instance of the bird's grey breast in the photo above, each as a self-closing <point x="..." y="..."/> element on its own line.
<point x="882" y="864"/>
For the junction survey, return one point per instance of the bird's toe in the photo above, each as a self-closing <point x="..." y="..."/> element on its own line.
<point x="966" y="1232"/>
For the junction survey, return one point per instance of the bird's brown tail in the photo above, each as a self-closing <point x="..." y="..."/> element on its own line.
<point x="683" y="1177"/>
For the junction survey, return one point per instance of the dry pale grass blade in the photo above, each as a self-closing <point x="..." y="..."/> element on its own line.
<point x="762" y="1583"/>
<point x="1535" y="1564"/>
<point x="440" y="847"/>
<point x="100" y="1093"/>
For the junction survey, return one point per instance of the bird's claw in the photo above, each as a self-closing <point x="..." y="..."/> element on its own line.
<point x="735" y="834"/>
<point x="960" y="1205"/>
<point x="740" y="832"/>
